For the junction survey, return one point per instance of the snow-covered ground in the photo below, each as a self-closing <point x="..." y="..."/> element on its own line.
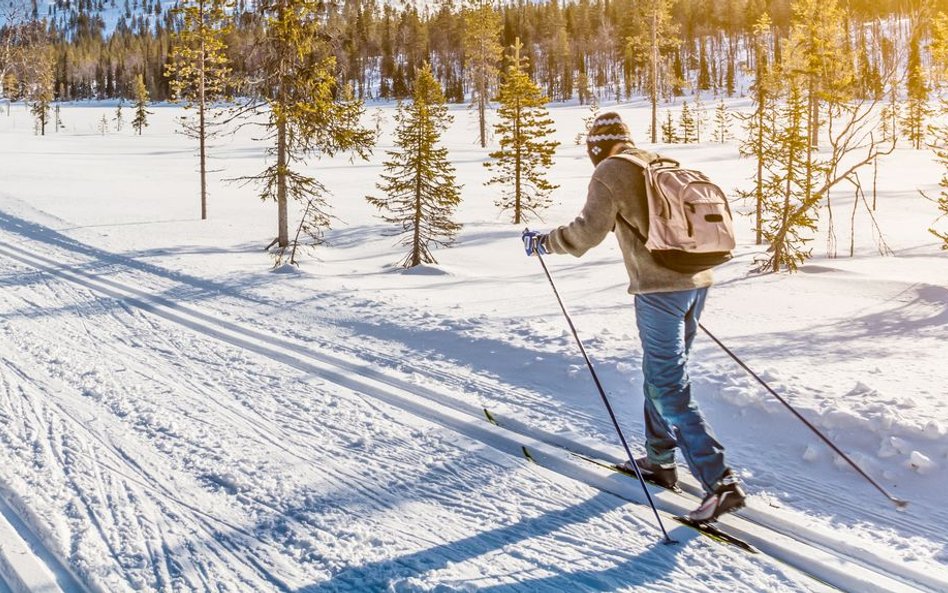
<point x="177" y="417"/>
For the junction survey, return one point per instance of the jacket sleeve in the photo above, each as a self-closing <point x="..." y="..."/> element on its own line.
<point x="592" y="225"/>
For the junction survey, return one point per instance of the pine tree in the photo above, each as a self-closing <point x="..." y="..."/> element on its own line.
<point x="669" y="132"/>
<point x="420" y="189"/>
<point x="58" y="122"/>
<point x="916" y="109"/>
<point x="41" y="85"/>
<point x="141" y="102"/>
<point x="306" y="111"/>
<point x="119" y="119"/>
<point x="588" y="119"/>
<point x="788" y="208"/>
<point x="939" y="49"/>
<point x="722" y="123"/>
<point x="687" y="124"/>
<point x="817" y="48"/>
<point x="199" y="70"/>
<point x="482" y="52"/>
<point x="940" y="146"/>
<point x="524" y="152"/>
<point x="760" y="125"/>
<point x="655" y="33"/>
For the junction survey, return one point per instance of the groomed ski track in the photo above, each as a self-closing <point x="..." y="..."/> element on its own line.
<point x="828" y="560"/>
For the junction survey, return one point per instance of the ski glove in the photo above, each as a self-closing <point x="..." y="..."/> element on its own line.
<point x="534" y="242"/>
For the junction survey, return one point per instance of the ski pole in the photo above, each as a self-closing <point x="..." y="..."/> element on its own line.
<point x="605" y="400"/>
<point x="898" y="502"/>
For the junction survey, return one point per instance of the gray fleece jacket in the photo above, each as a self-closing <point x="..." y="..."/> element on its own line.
<point x="616" y="202"/>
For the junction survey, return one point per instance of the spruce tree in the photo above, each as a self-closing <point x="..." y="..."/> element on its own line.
<point x="306" y="111"/>
<point x="141" y="103"/>
<point x="939" y="49"/>
<point x="687" y="124"/>
<point x="482" y="52"/>
<point x="525" y="152"/>
<point x="420" y="189"/>
<point x="654" y="34"/>
<point x="789" y="217"/>
<point x="722" y="123"/>
<point x="199" y="70"/>
<point x="940" y="146"/>
<point x="760" y="125"/>
<point x="669" y="132"/>
<point x="119" y="119"/>
<point x="41" y="85"/>
<point x="916" y="109"/>
<point x="817" y="49"/>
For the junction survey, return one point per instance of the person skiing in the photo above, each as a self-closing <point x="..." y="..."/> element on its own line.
<point x="668" y="305"/>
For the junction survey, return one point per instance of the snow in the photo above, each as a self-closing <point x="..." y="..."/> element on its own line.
<point x="178" y="416"/>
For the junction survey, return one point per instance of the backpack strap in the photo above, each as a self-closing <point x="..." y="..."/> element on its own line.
<point x="638" y="160"/>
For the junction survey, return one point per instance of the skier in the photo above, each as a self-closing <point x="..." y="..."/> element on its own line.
<point x="668" y="305"/>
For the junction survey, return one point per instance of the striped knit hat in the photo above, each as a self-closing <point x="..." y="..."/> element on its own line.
<point x="606" y="131"/>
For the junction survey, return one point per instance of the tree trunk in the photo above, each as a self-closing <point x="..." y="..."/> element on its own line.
<point x="482" y="114"/>
<point x="416" y="237"/>
<point x="283" y="235"/>
<point x="518" y="214"/>
<point x="653" y="92"/>
<point x="202" y="133"/>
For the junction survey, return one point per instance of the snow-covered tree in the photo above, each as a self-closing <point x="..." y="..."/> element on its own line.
<point x="525" y="150"/>
<point x="141" y="103"/>
<point x="199" y="70"/>
<point x="420" y="191"/>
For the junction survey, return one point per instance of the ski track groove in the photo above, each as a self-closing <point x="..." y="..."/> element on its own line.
<point x="136" y="468"/>
<point x="60" y="453"/>
<point x="125" y="306"/>
<point x="300" y="351"/>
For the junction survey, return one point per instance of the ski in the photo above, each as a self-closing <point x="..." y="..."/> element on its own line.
<point x="614" y="467"/>
<point x="711" y="531"/>
<point x="708" y="530"/>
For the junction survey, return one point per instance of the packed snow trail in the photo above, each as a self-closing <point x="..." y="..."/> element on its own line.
<point x="158" y="457"/>
<point x="248" y="339"/>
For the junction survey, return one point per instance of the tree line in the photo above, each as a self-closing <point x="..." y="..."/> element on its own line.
<point x="848" y="76"/>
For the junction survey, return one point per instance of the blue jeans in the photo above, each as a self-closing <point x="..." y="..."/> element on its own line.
<point x="668" y="322"/>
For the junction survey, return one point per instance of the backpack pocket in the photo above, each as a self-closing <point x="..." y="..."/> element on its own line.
<point x="708" y="217"/>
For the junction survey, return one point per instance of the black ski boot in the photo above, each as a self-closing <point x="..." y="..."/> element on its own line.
<point x="727" y="497"/>
<point x="665" y="476"/>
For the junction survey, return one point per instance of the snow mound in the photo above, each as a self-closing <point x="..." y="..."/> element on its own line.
<point x="920" y="463"/>
<point x="288" y="269"/>
<point x="426" y="270"/>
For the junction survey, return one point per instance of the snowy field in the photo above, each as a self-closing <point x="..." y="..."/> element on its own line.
<point x="175" y="416"/>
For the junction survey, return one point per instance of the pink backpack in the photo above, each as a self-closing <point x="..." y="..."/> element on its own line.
<point x="690" y="227"/>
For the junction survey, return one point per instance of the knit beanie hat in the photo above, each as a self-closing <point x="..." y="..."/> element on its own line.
<point x="606" y="131"/>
